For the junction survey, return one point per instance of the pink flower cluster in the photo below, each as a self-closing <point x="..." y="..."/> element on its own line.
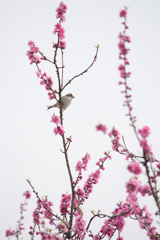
<point x="59" y="30"/>
<point x="16" y="233"/>
<point x="27" y="194"/>
<point x="144" y="217"/>
<point x="46" y="211"/>
<point x="111" y="224"/>
<point x="102" y="128"/>
<point x="79" y="226"/>
<point x="55" y="119"/>
<point x="101" y="161"/>
<point x="33" y="57"/>
<point x="49" y="236"/>
<point x="10" y="232"/>
<point x="146" y="147"/>
<point x="48" y="83"/>
<point x="123" y="13"/>
<point x="117" y="221"/>
<point x="83" y="164"/>
<point x="59" y="129"/>
<point x="61" y="227"/>
<point x="115" y="141"/>
<point x="92" y="179"/>
<point x="134" y="186"/>
<point x="123" y="51"/>
<point x="65" y="204"/>
<point x="61" y="10"/>
<point x="135" y="168"/>
<point x="144" y="132"/>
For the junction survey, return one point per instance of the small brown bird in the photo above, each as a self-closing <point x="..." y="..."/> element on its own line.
<point x="66" y="101"/>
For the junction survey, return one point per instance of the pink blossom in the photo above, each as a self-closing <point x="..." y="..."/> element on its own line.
<point x="79" y="226"/>
<point x="42" y="82"/>
<point x="10" y="233"/>
<point x="96" y="176"/>
<point x="120" y="36"/>
<point x="145" y="146"/>
<point x="30" y="43"/>
<point x="61" y="10"/>
<point x="107" y="228"/>
<point x="65" y="204"/>
<point x="62" y="44"/>
<point x="135" y="168"/>
<point x="27" y="194"/>
<point x="59" y="30"/>
<point x="132" y="185"/>
<point x="128" y="39"/>
<point x="120" y="82"/>
<point x="145" y="131"/>
<point x="37" y="59"/>
<point x="36" y="216"/>
<point x="38" y="73"/>
<point x="114" y="132"/>
<point x="78" y="166"/>
<point x="69" y="139"/>
<point x="158" y="165"/>
<point x="61" y="130"/>
<point x="119" y="223"/>
<point x="144" y="189"/>
<point x="96" y="237"/>
<point x="61" y="227"/>
<point x="120" y="238"/>
<point x="121" y="66"/>
<point x="85" y="161"/>
<point x="80" y="193"/>
<point x="121" y="45"/>
<point x="57" y="27"/>
<point x="151" y="232"/>
<point x="126" y="62"/>
<point x="56" y="130"/>
<point x="123" y="13"/>
<point x="55" y="119"/>
<point x="101" y="127"/>
<point x="51" y="96"/>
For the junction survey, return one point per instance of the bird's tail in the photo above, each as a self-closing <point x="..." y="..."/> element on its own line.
<point x="51" y="106"/>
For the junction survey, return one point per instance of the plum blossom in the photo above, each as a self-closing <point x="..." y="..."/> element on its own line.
<point x="144" y="132"/>
<point x="135" y="168"/>
<point x="123" y="13"/>
<point x="27" y="194"/>
<point x="10" y="233"/>
<point x="55" y="119"/>
<point x="158" y="165"/>
<point x="61" y="10"/>
<point x="101" y="127"/>
<point x="65" y="204"/>
<point x="79" y="226"/>
<point x="59" y="130"/>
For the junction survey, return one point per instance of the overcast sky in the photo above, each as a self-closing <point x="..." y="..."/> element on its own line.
<point x="29" y="149"/>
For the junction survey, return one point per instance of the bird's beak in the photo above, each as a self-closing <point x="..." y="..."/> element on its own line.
<point x="73" y="97"/>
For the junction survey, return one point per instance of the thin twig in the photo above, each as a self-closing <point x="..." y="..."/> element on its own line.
<point x="83" y="71"/>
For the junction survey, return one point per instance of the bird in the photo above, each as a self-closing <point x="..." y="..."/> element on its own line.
<point x="66" y="101"/>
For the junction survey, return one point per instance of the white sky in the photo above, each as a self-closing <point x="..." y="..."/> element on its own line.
<point x="29" y="149"/>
